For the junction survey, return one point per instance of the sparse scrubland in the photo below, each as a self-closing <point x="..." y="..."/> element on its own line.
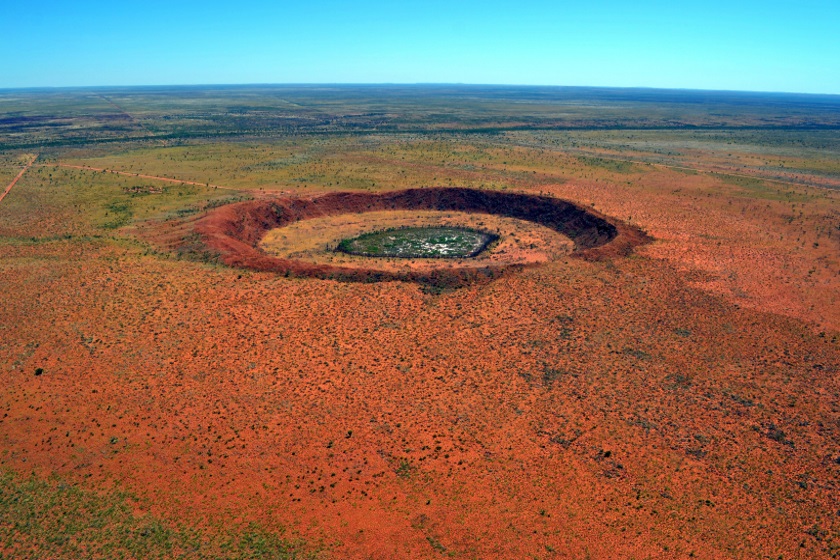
<point x="677" y="398"/>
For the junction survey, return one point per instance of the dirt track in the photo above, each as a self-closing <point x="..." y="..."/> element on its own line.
<point x="16" y="179"/>
<point x="153" y="177"/>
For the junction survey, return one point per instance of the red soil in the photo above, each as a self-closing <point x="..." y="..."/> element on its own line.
<point x="603" y="408"/>
<point x="503" y="420"/>
<point x="234" y="231"/>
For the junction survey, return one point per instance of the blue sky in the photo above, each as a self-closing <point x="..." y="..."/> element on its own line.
<point x="739" y="45"/>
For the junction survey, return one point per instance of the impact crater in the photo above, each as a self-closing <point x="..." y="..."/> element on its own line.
<point x="316" y="240"/>
<point x="235" y="232"/>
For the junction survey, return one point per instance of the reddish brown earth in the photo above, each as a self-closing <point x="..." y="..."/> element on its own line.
<point x="673" y="402"/>
<point x="235" y="231"/>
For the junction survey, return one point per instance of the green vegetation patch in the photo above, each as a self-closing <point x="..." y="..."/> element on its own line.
<point x="52" y="519"/>
<point x="754" y="187"/>
<point x="419" y="242"/>
<point x="616" y="166"/>
<point x="118" y="214"/>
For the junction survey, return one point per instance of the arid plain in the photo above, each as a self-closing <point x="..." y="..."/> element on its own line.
<point x="676" y="399"/>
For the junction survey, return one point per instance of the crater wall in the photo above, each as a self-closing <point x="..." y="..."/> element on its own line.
<point x="233" y="232"/>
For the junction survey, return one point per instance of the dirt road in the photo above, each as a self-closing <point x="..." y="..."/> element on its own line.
<point x="169" y="179"/>
<point x="17" y="178"/>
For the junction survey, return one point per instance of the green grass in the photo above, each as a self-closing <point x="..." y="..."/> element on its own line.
<point x="52" y="202"/>
<point x="758" y="189"/>
<point x="419" y="242"/>
<point x="52" y="519"/>
<point x="616" y="166"/>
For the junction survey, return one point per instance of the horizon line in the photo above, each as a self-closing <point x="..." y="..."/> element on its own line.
<point x="408" y="84"/>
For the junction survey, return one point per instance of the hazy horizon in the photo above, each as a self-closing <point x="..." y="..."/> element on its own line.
<point x="407" y="84"/>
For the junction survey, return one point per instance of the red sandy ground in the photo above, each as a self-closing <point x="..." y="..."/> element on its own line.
<point x="682" y="401"/>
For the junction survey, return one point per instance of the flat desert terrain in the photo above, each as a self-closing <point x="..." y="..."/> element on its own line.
<point x="676" y="395"/>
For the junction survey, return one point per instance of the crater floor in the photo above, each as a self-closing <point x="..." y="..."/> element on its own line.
<point x="315" y="240"/>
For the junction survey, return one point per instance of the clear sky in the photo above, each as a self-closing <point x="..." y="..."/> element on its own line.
<point x="759" y="45"/>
